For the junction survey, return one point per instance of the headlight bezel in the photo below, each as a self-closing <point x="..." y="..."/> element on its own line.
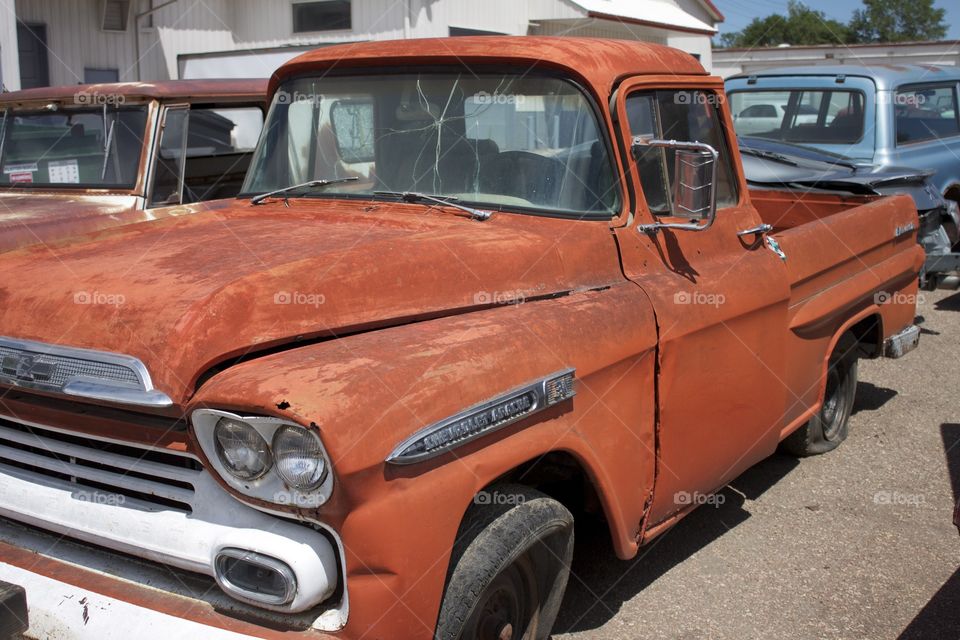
<point x="269" y="487"/>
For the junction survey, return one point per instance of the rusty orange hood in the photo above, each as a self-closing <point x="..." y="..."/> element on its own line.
<point x="28" y="218"/>
<point x="187" y="294"/>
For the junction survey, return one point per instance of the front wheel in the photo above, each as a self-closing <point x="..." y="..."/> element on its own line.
<point x="509" y="568"/>
<point x="828" y="428"/>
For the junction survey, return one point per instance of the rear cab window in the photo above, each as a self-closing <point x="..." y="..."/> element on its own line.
<point x="806" y="116"/>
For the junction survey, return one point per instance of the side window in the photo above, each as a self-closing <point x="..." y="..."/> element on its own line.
<point x="204" y="153"/>
<point x="925" y="113"/>
<point x="685" y="115"/>
<point x="167" y="185"/>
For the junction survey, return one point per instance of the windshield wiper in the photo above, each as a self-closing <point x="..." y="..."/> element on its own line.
<point x="768" y="155"/>
<point x="312" y="184"/>
<point x="450" y="201"/>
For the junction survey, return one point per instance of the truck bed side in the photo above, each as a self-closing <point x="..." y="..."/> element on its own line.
<point x="848" y="259"/>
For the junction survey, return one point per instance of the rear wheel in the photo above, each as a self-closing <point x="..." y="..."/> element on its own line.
<point x="828" y="428"/>
<point x="509" y="568"/>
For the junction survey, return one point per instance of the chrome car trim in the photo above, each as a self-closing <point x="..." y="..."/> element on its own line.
<point x="82" y="373"/>
<point x="485" y="418"/>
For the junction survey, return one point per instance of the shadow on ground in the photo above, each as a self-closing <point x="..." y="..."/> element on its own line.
<point x="950" y="303"/>
<point x="600" y="583"/>
<point x="870" y="397"/>
<point x="940" y="617"/>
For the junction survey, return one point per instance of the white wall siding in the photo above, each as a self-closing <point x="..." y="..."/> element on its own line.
<point x="75" y="39"/>
<point x="9" y="61"/>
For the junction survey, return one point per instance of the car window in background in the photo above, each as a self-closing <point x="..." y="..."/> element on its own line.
<point x="803" y="116"/>
<point x="925" y="113"/>
<point x="204" y="153"/>
<point x="690" y="116"/>
<point x="94" y="148"/>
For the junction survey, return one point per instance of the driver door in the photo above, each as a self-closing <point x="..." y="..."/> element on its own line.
<point x="720" y="297"/>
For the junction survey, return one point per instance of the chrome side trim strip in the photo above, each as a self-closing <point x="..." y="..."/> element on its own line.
<point x="485" y="418"/>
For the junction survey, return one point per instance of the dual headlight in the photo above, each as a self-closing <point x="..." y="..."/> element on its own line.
<point x="266" y="458"/>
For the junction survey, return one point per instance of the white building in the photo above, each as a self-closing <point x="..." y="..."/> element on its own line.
<point x="728" y="62"/>
<point x="55" y="42"/>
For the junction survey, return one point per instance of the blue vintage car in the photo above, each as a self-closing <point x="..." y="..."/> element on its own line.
<point x="880" y="116"/>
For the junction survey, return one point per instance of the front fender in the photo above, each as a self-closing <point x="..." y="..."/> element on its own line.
<point x="367" y="392"/>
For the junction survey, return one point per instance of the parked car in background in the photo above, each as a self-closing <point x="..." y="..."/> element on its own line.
<point x="82" y="158"/>
<point x="771" y="164"/>
<point x="879" y="115"/>
<point x="321" y="411"/>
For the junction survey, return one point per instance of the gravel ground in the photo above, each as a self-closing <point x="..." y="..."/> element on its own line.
<point x="857" y="543"/>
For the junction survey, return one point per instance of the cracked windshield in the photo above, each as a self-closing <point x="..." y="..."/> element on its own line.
<point x="507" y="142"/>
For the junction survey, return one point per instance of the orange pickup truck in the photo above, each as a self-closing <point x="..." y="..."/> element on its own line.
<point x="471" y="288"/>
<point x="82" y="158"/>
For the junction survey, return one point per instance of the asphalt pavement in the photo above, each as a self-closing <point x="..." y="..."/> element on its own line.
<point x="854" y="544"/>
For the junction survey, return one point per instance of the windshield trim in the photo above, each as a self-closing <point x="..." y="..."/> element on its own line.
<point x="123" y="188"/>
<point x="619" y="207"/>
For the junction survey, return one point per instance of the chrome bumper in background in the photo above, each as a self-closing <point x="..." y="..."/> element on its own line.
<point x="902" y="342"/>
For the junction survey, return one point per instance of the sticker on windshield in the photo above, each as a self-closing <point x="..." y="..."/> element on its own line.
<point x="25" y="167"/>
<point x="21" y="177"/>
<point x="63" y="171"/>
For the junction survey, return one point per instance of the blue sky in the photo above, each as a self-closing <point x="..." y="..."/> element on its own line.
<point x="739" y="13"/>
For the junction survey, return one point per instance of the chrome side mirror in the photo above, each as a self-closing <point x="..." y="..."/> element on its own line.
<point x="694" y="180"/>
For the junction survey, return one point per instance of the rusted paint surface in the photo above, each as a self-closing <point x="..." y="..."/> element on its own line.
<point x="164" y="90"/>
<point x="690" y="360"/>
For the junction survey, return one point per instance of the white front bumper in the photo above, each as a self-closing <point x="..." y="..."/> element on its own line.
<point x="63" y="611"/>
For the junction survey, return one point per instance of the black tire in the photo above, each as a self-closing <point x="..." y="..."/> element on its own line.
<point x="509" y="568"/>
<point x="828" y="428"/>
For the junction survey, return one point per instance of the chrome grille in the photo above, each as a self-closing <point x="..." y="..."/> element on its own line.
<point x="67" y="368"/>
<point x="122" y="474"/>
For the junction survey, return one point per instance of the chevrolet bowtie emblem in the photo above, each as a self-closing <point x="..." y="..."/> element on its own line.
<point x="26" y="368"/>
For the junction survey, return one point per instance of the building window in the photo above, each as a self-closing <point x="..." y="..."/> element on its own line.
<point x="95" y="76"/>
<point x="115" y="14"/>
<point x="328" y="15"/>
<point x="461" y="31"/>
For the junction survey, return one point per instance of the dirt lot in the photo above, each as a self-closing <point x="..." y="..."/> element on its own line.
<point x="857" y="543"/>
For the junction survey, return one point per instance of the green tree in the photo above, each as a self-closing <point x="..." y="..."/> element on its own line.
<point x="898" y="21"/>
<point x="801" y="25"/>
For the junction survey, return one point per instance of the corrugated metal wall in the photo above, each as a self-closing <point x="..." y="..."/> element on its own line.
<point x="9" y="63"/>
<point x="77" y="41"/>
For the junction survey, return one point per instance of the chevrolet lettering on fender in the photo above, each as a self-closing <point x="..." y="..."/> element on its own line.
<point x="368" y="397"/>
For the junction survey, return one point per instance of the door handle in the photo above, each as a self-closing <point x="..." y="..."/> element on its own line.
<point x="760" y="229"/>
